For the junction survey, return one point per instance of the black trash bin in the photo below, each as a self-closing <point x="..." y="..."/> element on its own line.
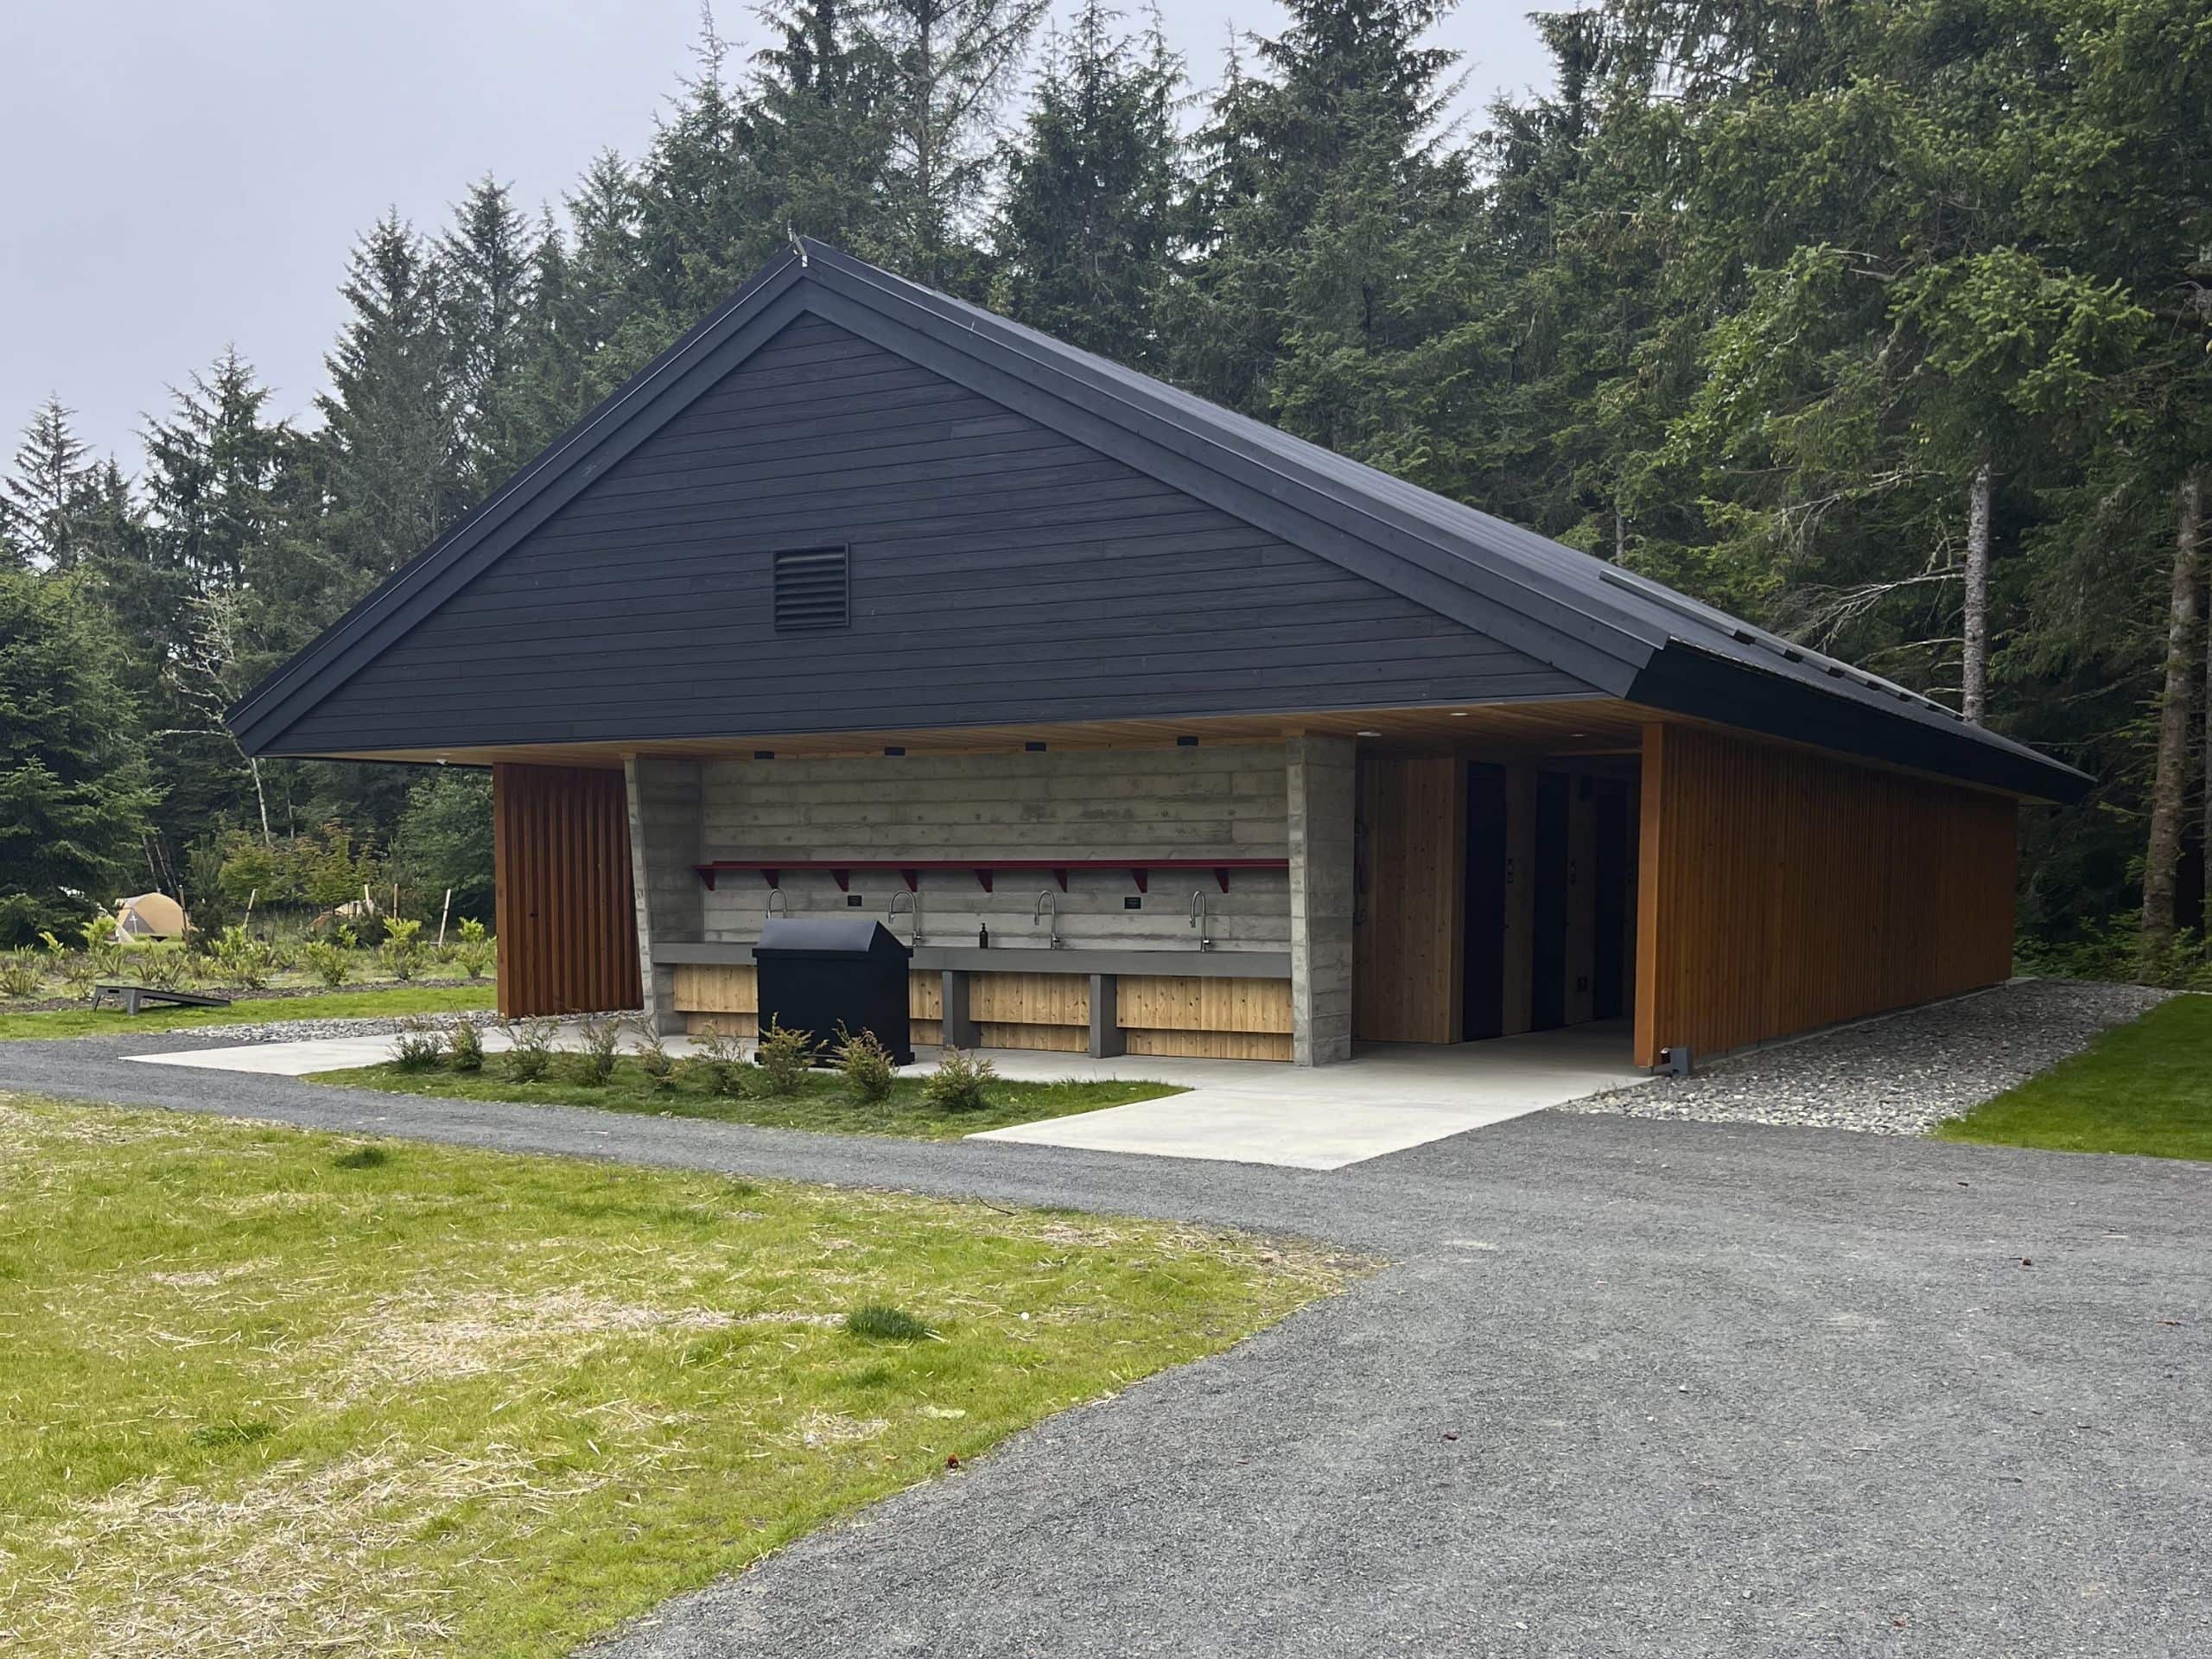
<point x="817" y="973"/>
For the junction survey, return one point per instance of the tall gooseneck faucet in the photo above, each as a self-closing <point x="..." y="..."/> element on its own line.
<point x="1047" y="910"/>
<point x="913" y="903"/>
<point x="775" y="897"/>
<point x="1201" y="920"/>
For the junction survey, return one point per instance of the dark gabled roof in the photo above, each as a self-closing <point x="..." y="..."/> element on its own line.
<point x="1622" y="635"/>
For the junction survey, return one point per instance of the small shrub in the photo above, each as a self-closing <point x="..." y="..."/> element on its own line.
<point x="718" y="1060"/>
<point x="164" y="967"/>
<point x="242" y="960"/>
<point x="866" y="1065"/>
<point x="103" y="929"/>
<point x="474" y="950"/>
<point x="362" y="1158"/>
<point x="330" y="962"/>
<point x="654" y="1059"/>
<point x="602" y="1037"/>
<point x="81" y="973"/>
<point x="403" y="951"/>
<point x="420" y="1045"/>
<point x="21" y="972"/>
<point x="884" y="1325"/>
<point x="785" y="1057"/>
<point x="957" y="1084"/>
<point x="530" y="1054"/>
<point x="465" y="1046"/>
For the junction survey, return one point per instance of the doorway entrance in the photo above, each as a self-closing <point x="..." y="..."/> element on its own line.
<point x="1495" y="897"/>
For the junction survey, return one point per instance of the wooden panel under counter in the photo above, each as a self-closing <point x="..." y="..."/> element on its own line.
<point x="726" y="997"/>
<point x="1205" y="1018"/>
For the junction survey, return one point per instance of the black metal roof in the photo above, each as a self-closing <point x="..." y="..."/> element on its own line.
<point x="1622" y="635"/>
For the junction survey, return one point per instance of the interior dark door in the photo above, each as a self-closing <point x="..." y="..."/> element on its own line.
<point x="1548" y="995"/>
<point x="1484" y="979"/>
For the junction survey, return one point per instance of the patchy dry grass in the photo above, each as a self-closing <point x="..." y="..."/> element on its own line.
<point x="261" y="1396"/>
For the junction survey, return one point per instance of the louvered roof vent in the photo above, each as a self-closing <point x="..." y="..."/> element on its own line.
<point x="813" y="590"/>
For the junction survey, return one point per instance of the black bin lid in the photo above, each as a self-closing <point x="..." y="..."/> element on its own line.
<point x="826" y="936"/>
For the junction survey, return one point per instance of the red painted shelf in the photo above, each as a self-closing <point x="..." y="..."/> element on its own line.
<point x="911" y="868"/>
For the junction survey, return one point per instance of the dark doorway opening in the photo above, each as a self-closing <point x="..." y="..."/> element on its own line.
<point x="1484" y="978"/>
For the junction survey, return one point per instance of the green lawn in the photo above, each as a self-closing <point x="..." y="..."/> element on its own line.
<point x="825" y="1104"/>
<point x="335" y="1005"/>
<point x="2144" y="1087"/>
<point x="273" y="1392"/>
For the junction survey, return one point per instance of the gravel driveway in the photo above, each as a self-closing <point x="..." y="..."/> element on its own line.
<point x="1626" y="1387"/>
<point x="1901" y="1074"/>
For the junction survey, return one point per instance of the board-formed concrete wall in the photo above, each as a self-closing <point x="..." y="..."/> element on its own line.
<point x="1320" y="792"/>
<point x="666" y="797"/>
<point x="1226" y="801"/>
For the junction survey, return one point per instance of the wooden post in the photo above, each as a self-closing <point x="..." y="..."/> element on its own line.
<point x="442" y="915"/>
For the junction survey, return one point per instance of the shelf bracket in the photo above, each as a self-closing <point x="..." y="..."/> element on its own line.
<point x="1141" y="876"/>
<point x="913" y="879"/>
<point x="984" y="877"/>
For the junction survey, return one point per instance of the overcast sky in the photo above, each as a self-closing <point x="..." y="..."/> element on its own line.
<point x="186" y="174"/>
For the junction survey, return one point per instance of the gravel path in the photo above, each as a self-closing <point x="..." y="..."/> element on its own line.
<point x="1628" y="1390"/>
<point x="304" y="1031"/>
<point x="1902" y="1075"/>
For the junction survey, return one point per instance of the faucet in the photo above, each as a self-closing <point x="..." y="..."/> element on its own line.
<point x="1200" y="920"/>
<point x="1046" y="910"/>
<point x="774" y="895"/>
<point x="913" y="903"/>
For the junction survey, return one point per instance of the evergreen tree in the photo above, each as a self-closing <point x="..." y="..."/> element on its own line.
<point x="52" y="490"/>
<point x="1083" y="232"/>
<point x="700" y="231"/>
<point x="1337" y="217"/>
<point x="818" y="109"/>
<point x="390" y="445"/>
<point x="948" y="67"/>
<point x="75" y="793"/>
<point x="484" y="289"/>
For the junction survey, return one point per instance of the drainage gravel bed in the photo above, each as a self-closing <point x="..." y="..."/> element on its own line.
<point x="1899" y="1075"/>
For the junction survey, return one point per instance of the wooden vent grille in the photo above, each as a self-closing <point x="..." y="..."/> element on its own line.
<point x="813" y="590"/>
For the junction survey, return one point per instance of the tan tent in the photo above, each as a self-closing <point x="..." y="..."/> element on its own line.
<point x="149" y="916"/>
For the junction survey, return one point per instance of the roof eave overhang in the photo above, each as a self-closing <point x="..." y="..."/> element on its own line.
<point x="1684" y="680"/>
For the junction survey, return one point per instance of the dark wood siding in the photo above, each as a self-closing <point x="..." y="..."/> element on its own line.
<point x="1001" y="573"/>
<point x="1782" y="890"/>
<point x="568" y="926"/>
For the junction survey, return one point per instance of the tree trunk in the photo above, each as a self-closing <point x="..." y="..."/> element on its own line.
<point x="2170" y="783"/>
<point x="1975" y="699"/>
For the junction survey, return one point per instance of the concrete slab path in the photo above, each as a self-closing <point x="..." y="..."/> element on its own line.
<point x="1624" y="1388"/>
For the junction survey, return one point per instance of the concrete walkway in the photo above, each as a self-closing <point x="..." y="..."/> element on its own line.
<point x="1626" y="1388"/>
<point x="1385" y="1099"/>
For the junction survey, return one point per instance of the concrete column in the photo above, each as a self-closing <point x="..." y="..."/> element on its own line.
<point x="1322" y="807"/>
<point x="666" y="801"/>
<point x="1107" y="1042"/>
<point x="958" y="1025"/>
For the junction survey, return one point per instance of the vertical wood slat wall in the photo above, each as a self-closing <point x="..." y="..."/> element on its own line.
<point x="567" y="925"/>
<point x="1407" y="963"/>
<point x="1781" y="890"/>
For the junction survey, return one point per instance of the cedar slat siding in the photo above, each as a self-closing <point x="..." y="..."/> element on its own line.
<point x="1779" y="890"/>
<point x="567" y="921"/>
<point x="1001" y="573"/>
